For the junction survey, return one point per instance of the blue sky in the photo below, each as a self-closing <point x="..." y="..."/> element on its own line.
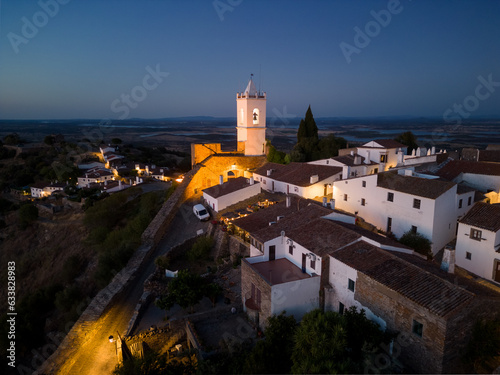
<point x="86" y="55"/>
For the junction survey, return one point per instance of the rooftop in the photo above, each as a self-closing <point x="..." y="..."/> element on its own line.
<point x="453" y="168"/>
<point x="232" y="185"/>
<point x="279" y="271"/>
<point x="421" y="187"/>
<point x="349" y="160"/>
<point x="428" y="290"/>
<point x="298" y="173"/>
<point x="384" y="143"/>
<point x="483" y="215"/>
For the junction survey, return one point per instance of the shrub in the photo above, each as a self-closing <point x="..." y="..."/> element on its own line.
<point x="27" y="215"/>
<point x="417" y="242"/>
<point x="201" y="248"/>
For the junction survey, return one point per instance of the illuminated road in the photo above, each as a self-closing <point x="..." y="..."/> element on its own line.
<point x="97" y="354"/>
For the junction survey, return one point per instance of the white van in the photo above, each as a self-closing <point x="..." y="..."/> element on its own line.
<point x="201" y="212"/>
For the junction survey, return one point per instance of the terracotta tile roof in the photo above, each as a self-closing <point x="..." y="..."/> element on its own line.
<point x="298" y="173"/>
<point x="232" y="185"/>
<point x="462" y="189"/>
<point x="426" y="289"/>
<point x="263" y="217"/>
<point x="386" y="143"/>
<point x="40" y="184"/>
<point x="489" y="156"/>
<point x="421" y="187"/>
<point x="349" y="160"/>
<point x="279" y="271"/>
<point x="483" y="215"/>
<point x="454" y="167"/>
<point x="290" y="221"/>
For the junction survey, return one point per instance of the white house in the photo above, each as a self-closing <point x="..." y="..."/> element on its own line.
<point x="352" y="164"/>
<point x="95" y="176"/>
<point x="303" y="179"/>
<point x="478" y="241"/>
<point x="482" y="176"/>
<point x="235" y="190"/>
<point x="44" y="189"/>
<point x="383" y="151"/>
<point x="404" y="201"/>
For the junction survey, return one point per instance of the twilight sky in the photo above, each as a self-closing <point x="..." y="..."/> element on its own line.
<point x="62" y="59"/>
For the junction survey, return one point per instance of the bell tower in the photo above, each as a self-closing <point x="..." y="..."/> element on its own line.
<point x="251" y="119"/>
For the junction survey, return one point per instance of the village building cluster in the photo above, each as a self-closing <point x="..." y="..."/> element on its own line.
<point x="309" y="251"/>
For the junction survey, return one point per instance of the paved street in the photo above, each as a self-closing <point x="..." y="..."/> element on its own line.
<point x="97" y="355"/>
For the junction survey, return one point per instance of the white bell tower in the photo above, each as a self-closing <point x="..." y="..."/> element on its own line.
<point x="251" y="119"/>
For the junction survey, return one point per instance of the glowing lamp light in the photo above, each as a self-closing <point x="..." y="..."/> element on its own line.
<point x="111" y="338"/>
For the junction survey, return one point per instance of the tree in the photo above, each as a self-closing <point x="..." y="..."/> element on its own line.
<point x="484" y="346"/>
<point x="49" y="140"/>
<point x="201" y="249"/>
<point x="186" y="289"/>
<point x="116" y="141"/>
<point x="12" y="139"/>
<point x="408" y="139"/>
<point x="418" y="242"/>
<point x="275" y="156"/>
<point x="320" y="343"/>
<point x="307" y="127"/>
<point x="274" y="354"/>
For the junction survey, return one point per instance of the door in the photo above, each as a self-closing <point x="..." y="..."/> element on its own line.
<point x="272" y="186"/>
<point x="272" y="252"/>
<point x="497" y="271"/>
<point x="325" y="192"/>
<point x="389" y="224"/>
<point x="304" y="263"/>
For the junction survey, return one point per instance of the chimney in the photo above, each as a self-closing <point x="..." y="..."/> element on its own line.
<point x="105" y="182"/>
<point x="325" y="201"/>
<point x="288" y="201"/>
<point x="136" y="179"/>
<point x="357" y="159"/>
<point x="269" y="171"/>
<point x="367" y="159"/>
<point x="332" y="204"/>
<point x="251" y="181"/>
<point x="433" y="150"/>
<point x="278" y="218"/>
<point x="401" y="158"/>
<point x="120" y="184"/>
<point x="346" y="170"/>
<point x="448" y="262"/>
<point x="314" y="179"/>
<point x="221" y="180"/>
<point x="352" y="153"/>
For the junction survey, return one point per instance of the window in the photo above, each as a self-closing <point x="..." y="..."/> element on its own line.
<point x="345" y="197"/>
<point x="416" y="204"/>
<point x="413" y="229"/>
<point x="341" y="308"/>
<point x="363" y="202"/>
<point x="475" y="234"/>
<point x="313" y="263"/>
<point x="290" y="250"/>
<point x="468" y="255"/>
<point x="417" y="328"/>
<point x="363" y="183"/>
<point x="390" y="197"/>
<point x="460" y="203"/>
<point x="375" y="171"/>
<point x="383" y="158"/>
<point x="350" y="285"/>
<point x="469" y="201"/>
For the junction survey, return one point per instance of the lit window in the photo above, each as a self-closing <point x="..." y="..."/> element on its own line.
<point x="416" y="204"/>
<point x="475" y="234"/>
<point x="468" y="255"/>
<point x="417" y="328"/>
<point x="383" y="158"/>
<point x="350" y="285"/>
<point x="363" y="202"/>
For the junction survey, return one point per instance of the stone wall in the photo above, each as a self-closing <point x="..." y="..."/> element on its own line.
<point x="399" y="314"/>
<point x="150" y="238"/>
<point x="216" y="165"/>
<point x="249" y="276"/>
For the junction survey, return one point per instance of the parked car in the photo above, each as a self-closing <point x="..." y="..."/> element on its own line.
<point x="201" y="212"/>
